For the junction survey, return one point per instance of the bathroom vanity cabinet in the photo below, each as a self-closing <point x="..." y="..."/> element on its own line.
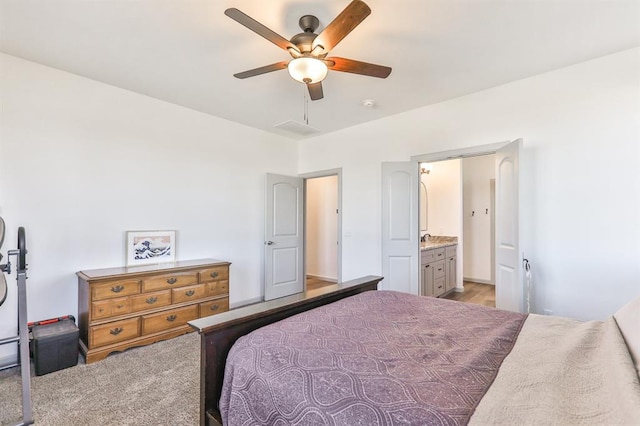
<point x="438" y="270"/>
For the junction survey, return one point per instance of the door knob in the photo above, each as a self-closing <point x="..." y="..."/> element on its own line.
<point x="269" y="243"/>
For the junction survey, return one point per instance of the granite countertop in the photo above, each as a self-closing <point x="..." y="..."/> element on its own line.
<point x="437" y="241"/>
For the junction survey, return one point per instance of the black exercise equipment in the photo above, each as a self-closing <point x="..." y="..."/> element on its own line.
<point x="23" y="330"/>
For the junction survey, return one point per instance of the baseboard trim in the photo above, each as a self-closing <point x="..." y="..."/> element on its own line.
<point x="479" y="281"/>
<point x="245" y="302"/>
<point x="318" y="277"/>
<point x="8" y="360"/>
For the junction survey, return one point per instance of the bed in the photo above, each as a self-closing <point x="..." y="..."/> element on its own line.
<point x="348" y="355"/>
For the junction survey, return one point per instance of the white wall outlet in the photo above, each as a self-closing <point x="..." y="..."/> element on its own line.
<point x="547" y="312"/>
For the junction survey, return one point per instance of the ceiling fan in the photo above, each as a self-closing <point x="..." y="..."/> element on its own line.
<point x="309" y="50"/>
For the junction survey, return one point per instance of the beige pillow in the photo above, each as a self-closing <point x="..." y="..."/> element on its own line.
<point x="628" y="319"/>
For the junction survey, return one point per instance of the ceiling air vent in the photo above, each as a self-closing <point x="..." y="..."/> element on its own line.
<point x="297" y="128"/>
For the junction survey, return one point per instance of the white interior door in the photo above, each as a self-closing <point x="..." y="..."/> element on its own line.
<point x="400" y="227"/>
<point x="284" y="237"/>
<point x="509" y="287"/>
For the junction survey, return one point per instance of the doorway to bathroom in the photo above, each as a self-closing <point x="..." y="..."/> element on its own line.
<point x="457" y="200"/>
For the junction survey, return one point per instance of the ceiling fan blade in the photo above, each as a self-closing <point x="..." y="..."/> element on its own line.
<point x="315" y="91"/>
<point x="357" y="67"/>
<point x="342" y="25"/>
<point x="262" y="70"/>
<point x="260" y="29"/>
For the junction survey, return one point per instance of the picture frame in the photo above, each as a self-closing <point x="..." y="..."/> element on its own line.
<point x="149" y="247"/>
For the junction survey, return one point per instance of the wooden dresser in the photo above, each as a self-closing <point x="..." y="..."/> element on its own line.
<point x="119" y="308"/>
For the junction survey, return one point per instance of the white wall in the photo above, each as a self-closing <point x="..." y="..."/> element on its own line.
<point x="444" y="192"/>
<point x="82" y="162"/>
<point x="477" y="173"/>
<point x="580" y="185"/>
<point x="322" y="227"/>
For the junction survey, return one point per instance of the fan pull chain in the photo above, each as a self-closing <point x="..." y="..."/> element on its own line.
<point x="305" y="107"/>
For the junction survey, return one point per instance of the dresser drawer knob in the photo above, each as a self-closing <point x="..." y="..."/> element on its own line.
<point x="439" y="254"/>
<point x="172" y="318"/>
<point x="117" y="289"/>
<point x="189" y="293"/>
<point x="116" y="331"/>
<point x="214" y="307"/>
<point x="214" y="274"/>
<point x="151" y="300"/>
<point x="172" y="280"/>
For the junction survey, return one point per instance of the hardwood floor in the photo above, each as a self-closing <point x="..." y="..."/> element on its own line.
<point x="314" y="283"/>
<point x="480" y="294"/>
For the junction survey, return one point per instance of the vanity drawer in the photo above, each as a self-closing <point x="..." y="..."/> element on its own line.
<point x="110" y="308"/>
<point x="112" y="289"/>
<point x="113" y="332"/>
<point x="146" y="301"/>
<point x="168" y="319"/>
<point x="214" y="307"/>
<point x="186" y="294"/>
<point x="218" y="288"/>
<point x="432" y="255"/>
<point x="438" y="269"/>
<point x="216" y="273"/>
<point x="450" y="251"/>
<point x="439" y="286"/>
<point x="161" y="282"/>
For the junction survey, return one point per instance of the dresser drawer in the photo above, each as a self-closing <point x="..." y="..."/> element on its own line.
<point x="114" y="289"/>
<point x="168" y="319"/>
<point x="161" y="282"/>
<point x="214" y="307"/>
<point x="113" y="332"/>
<point x="216" y="273"/>
<point x="438" y="269"/>
<point x="110" y="308"/>
<point x="146" y="301"/>
<point x="187" y="294"/>
<point x="218" y="288"/>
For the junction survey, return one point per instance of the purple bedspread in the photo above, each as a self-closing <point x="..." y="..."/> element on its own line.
<point x="377" y="358"/>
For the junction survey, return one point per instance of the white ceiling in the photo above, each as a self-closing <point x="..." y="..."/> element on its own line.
<point x="185" y="51"/>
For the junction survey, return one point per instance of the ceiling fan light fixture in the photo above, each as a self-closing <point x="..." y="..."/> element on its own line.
<point x="307" y="70"/>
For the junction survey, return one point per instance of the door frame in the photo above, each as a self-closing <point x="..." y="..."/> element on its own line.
<point x="472" y="151"/>
<point x="318" y="174"/>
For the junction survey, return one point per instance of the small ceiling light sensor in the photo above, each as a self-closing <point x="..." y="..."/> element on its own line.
<point x="368" y="103"/>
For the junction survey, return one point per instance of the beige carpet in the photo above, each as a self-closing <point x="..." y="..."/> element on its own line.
<point x="151" y="385"/>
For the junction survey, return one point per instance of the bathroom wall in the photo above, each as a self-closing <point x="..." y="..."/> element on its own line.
<point x="444" y="194"/>
<point x="477" y="212"/>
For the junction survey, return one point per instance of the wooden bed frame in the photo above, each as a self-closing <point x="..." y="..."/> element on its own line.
<point x="219" y="332"/>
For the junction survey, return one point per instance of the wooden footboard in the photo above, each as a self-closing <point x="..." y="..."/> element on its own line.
<point x="219" y="333"/>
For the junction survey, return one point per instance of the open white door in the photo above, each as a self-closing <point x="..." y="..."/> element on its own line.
<point x="400" y="227"/>
<point x="509" y="287"/>
<point x="284" y="237"/>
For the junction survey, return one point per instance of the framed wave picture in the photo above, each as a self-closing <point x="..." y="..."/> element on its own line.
<point x="146" y="247"/>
